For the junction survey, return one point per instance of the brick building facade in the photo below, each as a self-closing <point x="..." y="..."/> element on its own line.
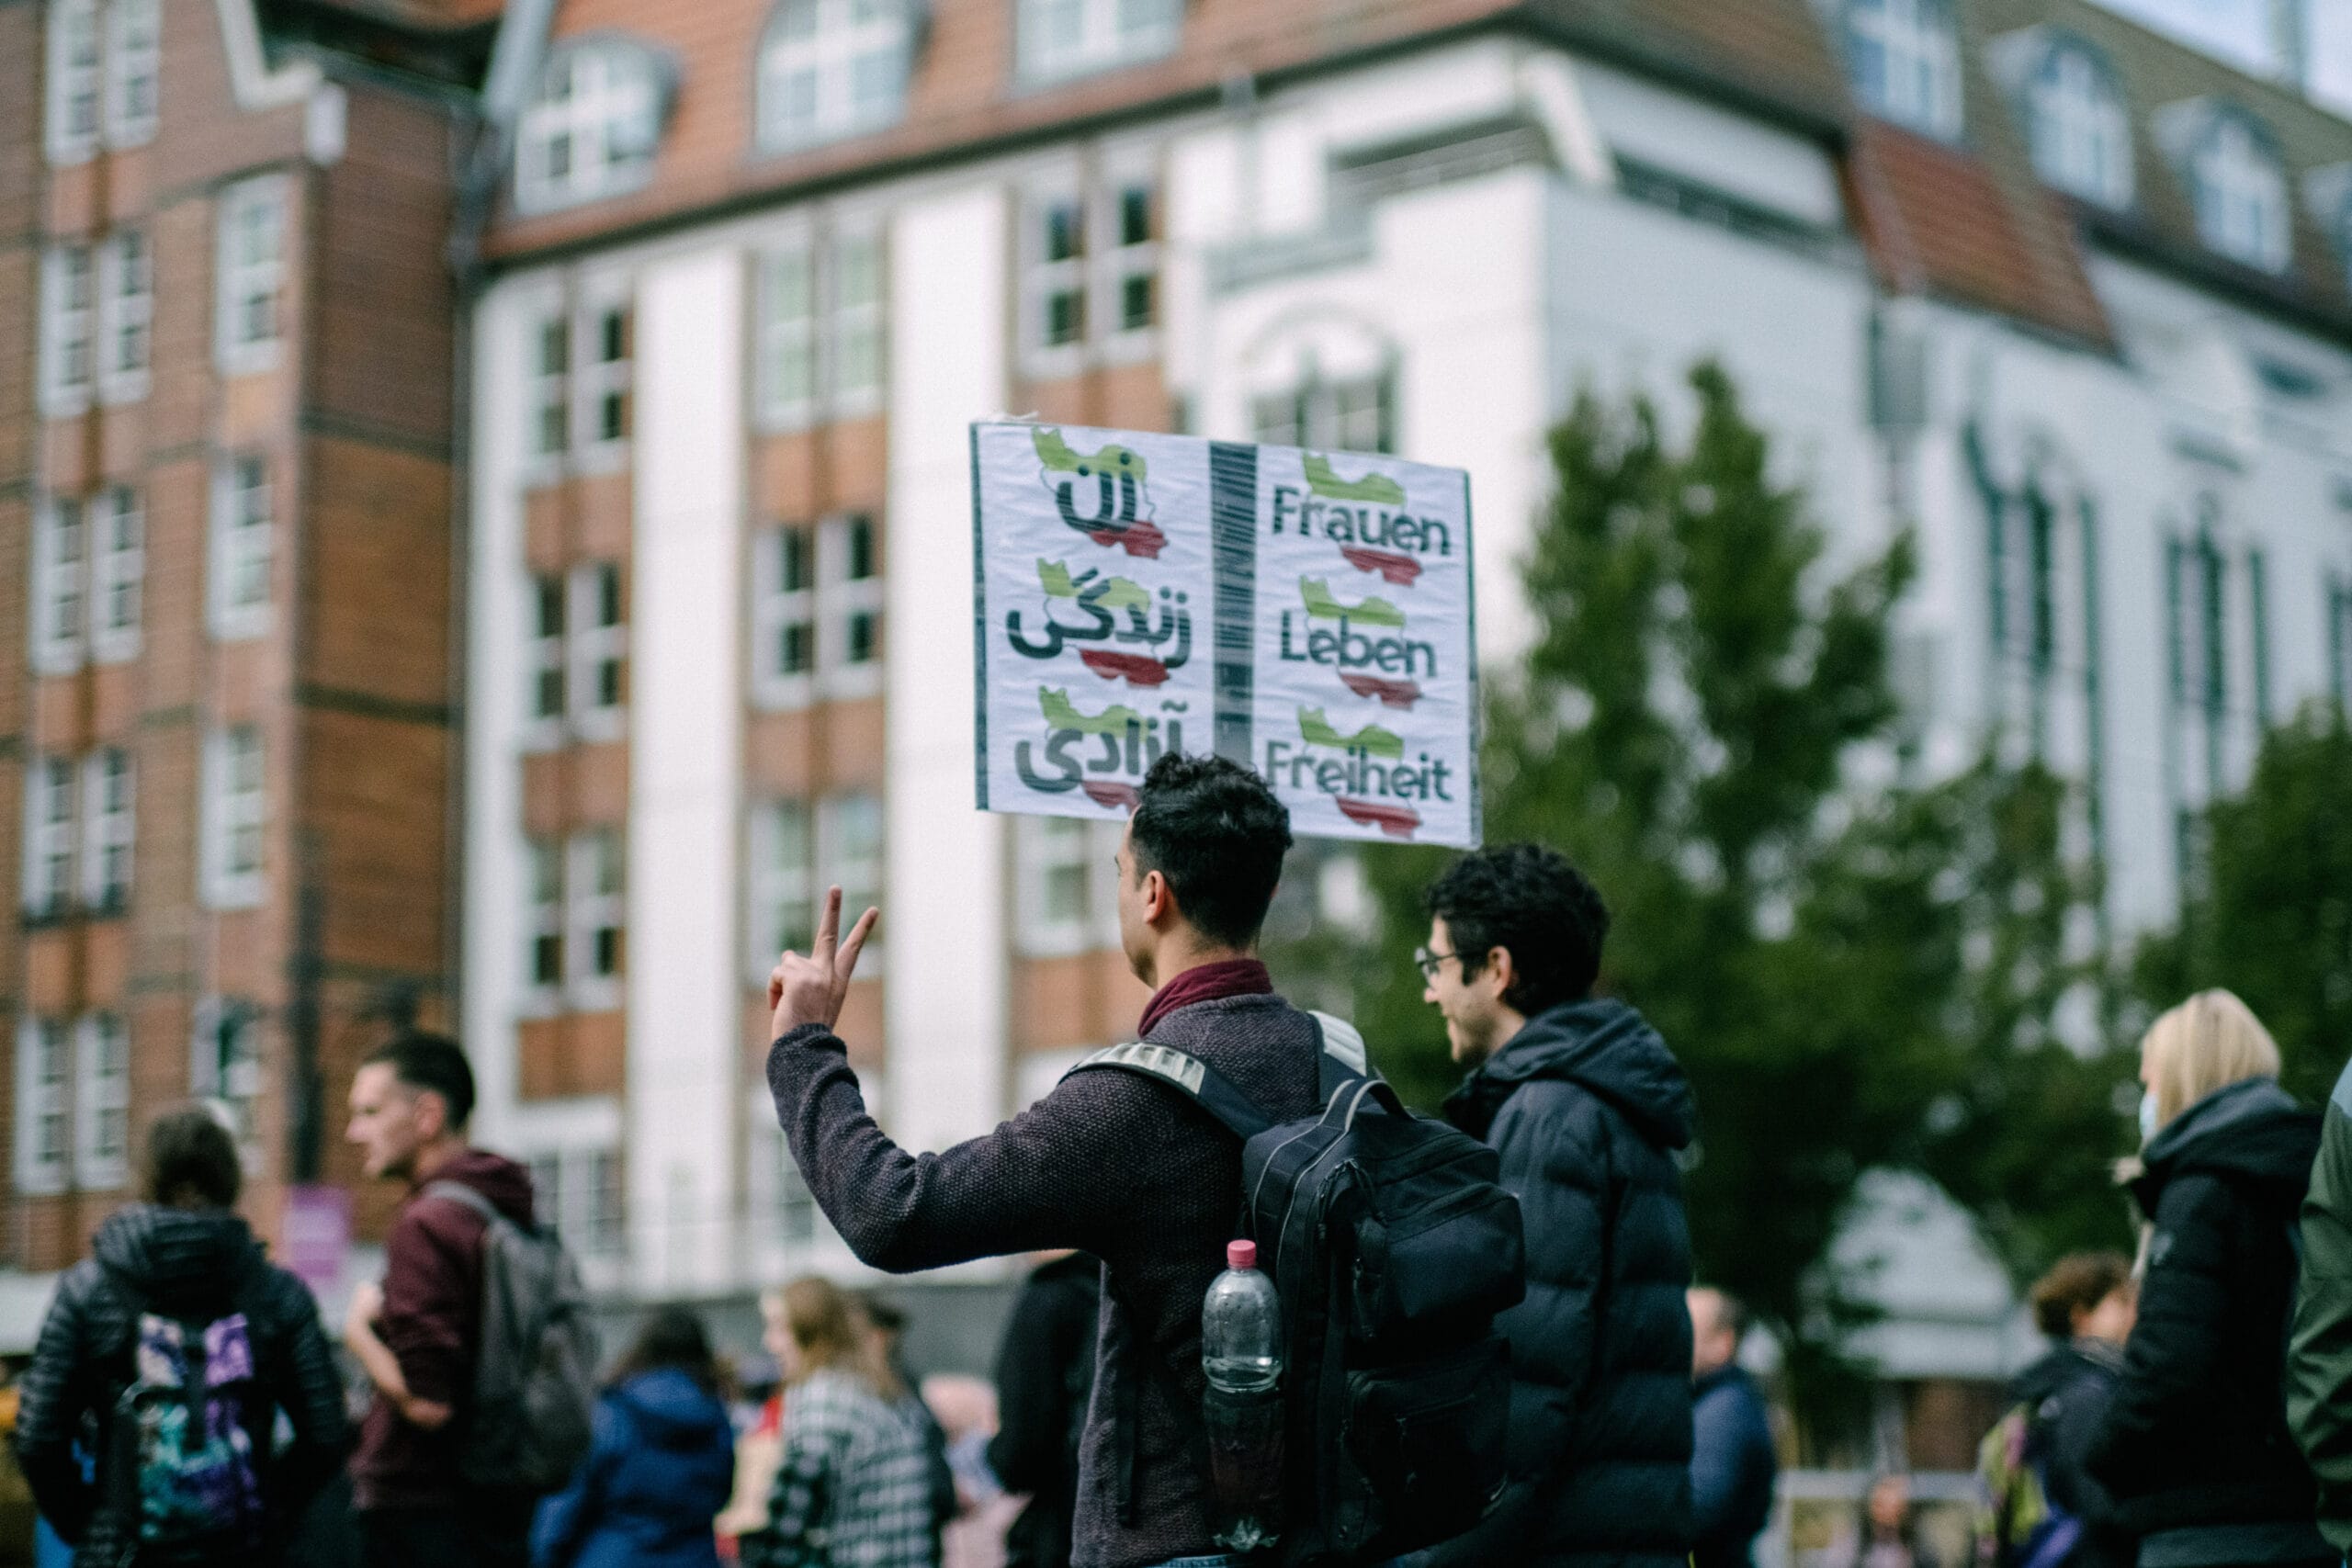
<point x="226" y="485"/>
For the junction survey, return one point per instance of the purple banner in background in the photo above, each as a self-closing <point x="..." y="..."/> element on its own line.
<point x="318" y="1236"/>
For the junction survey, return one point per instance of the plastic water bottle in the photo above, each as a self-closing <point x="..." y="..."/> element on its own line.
<point x="1241" y="1354"/>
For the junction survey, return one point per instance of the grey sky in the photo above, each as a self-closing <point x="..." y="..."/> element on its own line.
<point x="2240" y="30"/>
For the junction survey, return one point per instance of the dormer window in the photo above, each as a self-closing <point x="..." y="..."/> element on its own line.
<point x="1061" y="39"/>
<point x="833" y="69"/>
<point x="1904" y="55"/>
<point x="2241" y="190"/>
<point x="2081" y="131"/>
<point x="591" y="129"/>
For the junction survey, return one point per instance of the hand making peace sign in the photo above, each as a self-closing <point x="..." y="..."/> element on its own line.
<point x="809" y="991"/>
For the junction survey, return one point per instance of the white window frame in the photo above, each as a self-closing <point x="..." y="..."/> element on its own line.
<point x="126" y="342"/>
<point x="116" y="532"/>
<point x="69" y="329"/>
<point x="244" y="525"/>
<point x="827" y="57"/>
<point x="793" y="334"/>
<point x="589" y="910"/>
<point x="592" y="646"/>
<point x="778" y="884"/>
<point x="234" y="810"/>
<point x="837" y="339"/>
<point x="1097" y="274"/>
<point x="542" y="919"/>
<point x="1918" y="43"/>
<point x="2240" y="189"/>
<point x="2080" y="130"/>
<point x="50" y="833"/>
<point x="860" y="879"/>
<point x="75" y="82"/>
<point x="233" y="1075"/>
<point x="101" y="1102"/>
<point x="249" y="286"/>
<point x="60" y="584"/>
<point x="1121" y="259"/>
<point x="1059" y="40"/>
<point x="842" y="600"/>
<point x="597" y="381"/>
<point x="44" y="1078"/>
<point x="134" y="46"/>
<point x="776" y="608"/>
<point x="1045" y="848"/>
<point x="856" y="326"/>
<point x="602" y="100"/>
<point x="550" y="385"/>
<point x="1343" y="413"/>
<point x="1046" y="277"/>
<point x="544" y="660"/>
<point x="109" y="828"/>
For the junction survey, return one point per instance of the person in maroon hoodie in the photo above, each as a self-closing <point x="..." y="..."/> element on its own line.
<point x="1114" y="1165"/>
<point x="418" y="1333"/>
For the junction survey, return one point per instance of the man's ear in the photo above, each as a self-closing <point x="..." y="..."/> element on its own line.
<point x="1501" y="969"/>
<point x="1159" y="899"/>
<point x="432" y="1113"/>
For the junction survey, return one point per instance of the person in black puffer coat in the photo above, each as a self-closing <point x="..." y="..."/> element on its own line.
<point x="1587" y="1108"/>
<point x="2085" y="1304"/>
<point x="2195" y="1449"/>
<point x="184" y="1255"/>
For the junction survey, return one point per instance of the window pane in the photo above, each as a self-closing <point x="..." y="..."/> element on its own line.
<point x="860" y="536"/>
<point x="1135" y="216"/>
<point x="1064" y="230"/>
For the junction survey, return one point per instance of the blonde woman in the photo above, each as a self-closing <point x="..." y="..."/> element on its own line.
<point x="2195" y="1449"/>
<point x="852" y="1489"/>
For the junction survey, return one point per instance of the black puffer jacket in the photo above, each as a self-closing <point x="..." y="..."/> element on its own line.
<point x="2195" y="1449"/>
<point x="2069" y="1390"/>
<point x="191" y="1264"/>
<point x="1587" y="1107"/>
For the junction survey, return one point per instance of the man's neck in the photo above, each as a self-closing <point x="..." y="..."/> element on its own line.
<point x="1173" y="959"/>
<point x="436" y="1156"/>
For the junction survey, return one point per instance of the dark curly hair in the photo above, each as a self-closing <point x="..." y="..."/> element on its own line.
<point x="1214" y="829"/>
<point x="1529" y="901"/>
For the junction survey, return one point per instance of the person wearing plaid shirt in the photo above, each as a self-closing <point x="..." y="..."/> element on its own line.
<point x="853" y="1489"/>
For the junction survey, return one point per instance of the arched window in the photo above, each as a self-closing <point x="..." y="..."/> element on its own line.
<point x="1056" y="39"/>
<point x="1905" y="58"/>
<point x="2241" y="194"/>
<point x="2081" y="131"/>
<point x="830" y="68"/>
<point x="592" y="127"/>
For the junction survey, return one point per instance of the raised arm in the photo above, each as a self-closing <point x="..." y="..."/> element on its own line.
<point x="1068" y="1172"/>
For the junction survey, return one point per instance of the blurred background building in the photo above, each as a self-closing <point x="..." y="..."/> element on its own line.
<point x="597" y="372"/>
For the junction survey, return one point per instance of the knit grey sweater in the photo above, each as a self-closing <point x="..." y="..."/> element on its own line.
<point x="1109" y="1163"/>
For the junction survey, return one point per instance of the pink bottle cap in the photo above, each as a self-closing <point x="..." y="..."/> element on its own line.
<point x="1241" y="1255"/>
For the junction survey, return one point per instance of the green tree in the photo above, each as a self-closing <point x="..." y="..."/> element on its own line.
<point x="2270" y="915"/>
<point x="1852" y="978"/>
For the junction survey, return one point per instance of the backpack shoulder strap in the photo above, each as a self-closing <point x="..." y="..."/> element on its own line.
<point x="459" y="1192"/>
<point x="1343" y="1059"/>
<point x="1209" y="1088"/>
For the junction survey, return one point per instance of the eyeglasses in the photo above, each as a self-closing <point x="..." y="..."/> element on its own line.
<point x="1429" y="963"/>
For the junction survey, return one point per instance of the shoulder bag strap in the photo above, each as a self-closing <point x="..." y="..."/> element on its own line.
<point x="1209" y="1088"/>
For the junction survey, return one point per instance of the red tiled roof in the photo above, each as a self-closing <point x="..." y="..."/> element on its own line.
<point x="1940" y="219"/>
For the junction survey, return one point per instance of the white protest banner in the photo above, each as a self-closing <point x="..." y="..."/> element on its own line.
<point x="1308" y="614"/>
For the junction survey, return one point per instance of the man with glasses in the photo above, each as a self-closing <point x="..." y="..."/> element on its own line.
<point x="1586" y="1107"/>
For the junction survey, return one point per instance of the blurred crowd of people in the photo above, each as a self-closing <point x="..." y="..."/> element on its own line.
<point x="185" y="1405"/>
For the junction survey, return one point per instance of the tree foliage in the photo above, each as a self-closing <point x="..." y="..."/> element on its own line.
<point x="1852" y="978"/>
<point x="2270" y="916"/>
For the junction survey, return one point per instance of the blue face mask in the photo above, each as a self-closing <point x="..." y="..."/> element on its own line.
<point x="2148" y="1118"/>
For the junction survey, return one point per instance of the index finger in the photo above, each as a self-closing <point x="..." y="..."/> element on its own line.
<point x="829" y="927"/>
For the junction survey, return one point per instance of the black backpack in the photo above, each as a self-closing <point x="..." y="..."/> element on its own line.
<point x="1392" y="1245"/>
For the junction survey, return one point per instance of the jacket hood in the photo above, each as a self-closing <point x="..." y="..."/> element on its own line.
<point x="180" y="1259"/>
<point x="1601" y="1045"/>
<point x="2063" y="1366"/>
<point x="495" y="1177"/>
<point x="672" y="1409"/>
<point x="2252" y="1129"/>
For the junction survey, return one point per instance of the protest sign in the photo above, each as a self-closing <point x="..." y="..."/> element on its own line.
<point x="1309" y="613"/>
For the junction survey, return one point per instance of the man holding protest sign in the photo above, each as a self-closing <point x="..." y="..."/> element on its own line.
<point x="1108" y="1163"/>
